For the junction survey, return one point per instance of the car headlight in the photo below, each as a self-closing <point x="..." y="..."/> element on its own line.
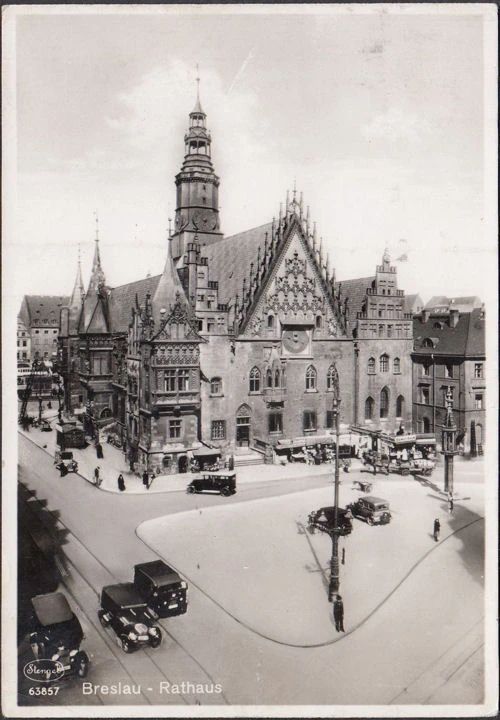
<point x="55" y="657"/>
<point x="153" y="630"/>
<point x="132" y="636"/>
<point x="184" y="584"/>
<point x="73" y="653"/>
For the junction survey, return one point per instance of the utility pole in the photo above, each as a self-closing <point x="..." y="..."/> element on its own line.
<point x="449" y="443"/>
<point x="334" y="585"/>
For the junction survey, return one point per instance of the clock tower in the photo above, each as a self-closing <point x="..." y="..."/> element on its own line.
<point x="197" y="203"/>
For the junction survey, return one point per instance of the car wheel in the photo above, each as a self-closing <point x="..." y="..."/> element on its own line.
<point x="190" y="489"/>
<point x="155" y="641"/>
<point x="125" y="644"/>
<point x="225" y="491"/>
<point x="82" y="665"/>
<point x="369" y="521"/>
<point x="102" y="619"/>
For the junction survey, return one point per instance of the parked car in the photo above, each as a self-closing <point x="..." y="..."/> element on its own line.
<point x="125" y="611"/>
<point x="372" y="509"/>
<point x="45" y="426"/>
<point x="65" y="462"/>
<point x="223" y="482"/>
<point x="161" y="587"/>
<point x="56" y="634"/>
<point x="324" y="519"/>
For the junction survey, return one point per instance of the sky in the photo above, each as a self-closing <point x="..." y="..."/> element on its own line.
<point x="378" y="116"/>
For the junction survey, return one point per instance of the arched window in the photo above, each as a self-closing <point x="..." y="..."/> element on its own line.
<point x="270" y="322"/>
<point x="276" y="378"/>
<point x="369" y="406"/>
<point x="384" y="403"/>
<point x="269" y="378"/>
<point x="428" y="343"/>
<point x="371" y="366"/>
<point x="400" y="406"/>
<point x="384" y="363"/>
<point x="216" y="386"/>
<point x="311" y="378"/>
<point x="255" y="380"/>
<point x="332" y="378"/>
<point x="396" y="365"/>
<point x="319" y="322"/>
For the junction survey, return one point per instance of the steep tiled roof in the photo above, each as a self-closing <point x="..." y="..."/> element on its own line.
<point x="410" y="300"/>
<point x="437" y="301"/>
<point x="42" y="309"/>
<point x="464" y="304"/>
<point x="355" y="292"/>
<point x="229" y="259"/>
<point x="466" y="339"/>
<point x="122" y="300"/>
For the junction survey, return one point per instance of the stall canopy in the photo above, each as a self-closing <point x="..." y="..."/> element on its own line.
<point x="299" y="442"/>
<point x="206" y="452"/>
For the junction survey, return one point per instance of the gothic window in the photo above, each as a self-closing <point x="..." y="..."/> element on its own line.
<point x="371" y="366"/>
<point x="319" y="322"/>
<point x="269" y="378"/>
<point x="276" y="378"/>
<point x="396" y="366"/>
<point x="218" y="430"/>
<point x="384" y="403"/>
<point x="254" y="380"/>
<point x="309" y="420"/>
<point x="275" y="422"/>
<point x="384" y="363"/>
<point x="332" y="378"/>
<point x="270" y="322"/>
<point x="400" y="406"/>
<point x="216" y="386"/>
<point x="369" y="406"/>
<point x="311" y="378"/>
<point x="380" y="330"/>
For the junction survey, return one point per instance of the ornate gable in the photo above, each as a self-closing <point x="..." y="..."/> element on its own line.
<point x="298" y="291"/>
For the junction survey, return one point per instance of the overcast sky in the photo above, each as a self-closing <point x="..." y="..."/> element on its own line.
<point x="378" y="117"/>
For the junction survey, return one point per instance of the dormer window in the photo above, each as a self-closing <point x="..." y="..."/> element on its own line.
<point x="427" y="343"/>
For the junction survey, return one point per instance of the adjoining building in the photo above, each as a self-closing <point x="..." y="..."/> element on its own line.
<point x="449" y="352"/>
<point x="240" y="343"/>
<point x="40" y="316"/>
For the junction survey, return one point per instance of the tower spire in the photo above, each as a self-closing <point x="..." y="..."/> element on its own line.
<point x="78" y="290"/>
<point x="97" y="275"/>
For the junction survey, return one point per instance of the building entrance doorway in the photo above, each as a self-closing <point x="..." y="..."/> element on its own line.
<point x="243" y="426"/>
<point x="183" y="464"/>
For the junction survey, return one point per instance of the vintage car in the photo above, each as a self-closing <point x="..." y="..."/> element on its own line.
<point x="223" y="482"/>
<point x="45" y="426"/>
<point x="161" y="588"/>
<point x="65" y="462"/>
<point x="372" y="509"/>
<point x="126" y="612"/>
<point x="324" y="519"/>
<point x="56" y="635"/>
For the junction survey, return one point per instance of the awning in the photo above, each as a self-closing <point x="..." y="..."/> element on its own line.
<point x="425" y="441"/>
<point x="206" y="452"/>
<point x="307" y="441"/>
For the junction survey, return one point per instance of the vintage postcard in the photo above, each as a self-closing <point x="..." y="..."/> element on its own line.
<point x="250" y="360"/>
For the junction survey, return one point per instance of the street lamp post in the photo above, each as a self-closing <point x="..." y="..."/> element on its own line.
<point x="334" y="585"/>
<point x="449" y="444"/>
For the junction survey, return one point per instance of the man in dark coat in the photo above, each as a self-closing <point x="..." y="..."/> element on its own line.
<point x="437" y="529"/>
<point x="121" y="483"/>
<point x="100" y="453"/>
<point x="338" y="613"/>
<point x="145" y="479"/>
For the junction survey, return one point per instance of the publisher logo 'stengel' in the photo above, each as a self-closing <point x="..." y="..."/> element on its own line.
<point x="43" y="670"/>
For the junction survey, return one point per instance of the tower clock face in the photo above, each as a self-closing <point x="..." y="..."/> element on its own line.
<point x="295" y="341"/>
<point x="204" y="220"/>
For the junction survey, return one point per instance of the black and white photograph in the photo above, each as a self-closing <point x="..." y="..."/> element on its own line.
<point x="249" y="360"/>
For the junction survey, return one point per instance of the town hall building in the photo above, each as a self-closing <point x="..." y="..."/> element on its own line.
<point x="241" y="342"/>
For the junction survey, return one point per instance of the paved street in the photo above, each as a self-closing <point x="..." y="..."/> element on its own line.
<point x="258" y="621"/>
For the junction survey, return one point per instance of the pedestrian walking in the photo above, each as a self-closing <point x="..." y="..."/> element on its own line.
<point x="121" y="483"/>
<point x="97" y="476"/>
<point x="99" y="451"/>
<point x="437" y="529"/>
<point x="145" y="479"/>
<point x="338" y="613"/>
<point x="450" y="503"/>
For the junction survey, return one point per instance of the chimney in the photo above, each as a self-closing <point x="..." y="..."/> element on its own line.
<point x="453" y="317"/>
<point x="425" y="315"/>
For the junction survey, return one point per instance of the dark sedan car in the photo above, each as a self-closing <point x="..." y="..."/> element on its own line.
<point x="125" y="611"/>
